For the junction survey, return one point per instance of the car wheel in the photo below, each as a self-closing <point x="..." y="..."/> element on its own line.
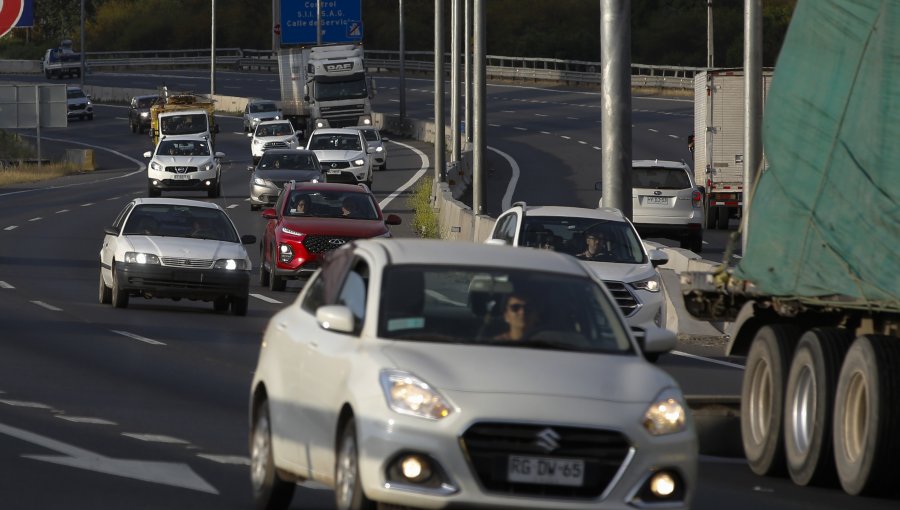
<point x="276" y="283"/>
<point x="220" y="304"/>
<point x="762" y="398"/>
<point x="695" y="243"/>
<point x="254" y="207"/>
<point x="723" y="217"/>
<point x="153" y="192"/>
<point x="263" y="275"/>
<point x="132" y="126"/>
<point x="105" y="294"/>
<point x="348" y="493"/>
<point x="239" y="305"/>
<point x="119" y="297"/>
<point x="216" y="190"/>
<point x="269" y="491"/>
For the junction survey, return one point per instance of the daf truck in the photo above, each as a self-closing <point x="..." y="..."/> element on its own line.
<point x="814" y="303"/>
<point x="325" y="86"/>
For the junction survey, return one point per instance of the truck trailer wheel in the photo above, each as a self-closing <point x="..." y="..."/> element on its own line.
<point x="711" y="216"/>
<point x="867" y="416"/>
<point x="809" y="405"/>
<point x="723" y="216"/>
<point x="762" y="397"/>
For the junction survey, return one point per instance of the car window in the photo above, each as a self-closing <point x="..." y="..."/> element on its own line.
<point x="335" y="142"/>
<point x="183" y="148"/>
<point x="315" y="296"/>
<point x="263" y="107"/>
<point x="146" y="102"/>
<point x="353" y="293"/>
<point x="618" y="241"/>
<point x="283" y="161"/>
<point x="660" y="178"/>
<point x="121" y="217"/>
<point x="333" y="204"/>
<point x="506" y="228"/>
<point x="74" y="93"/>
<point x="170" y="220"/>
<point x="370" y="135"/>
<point x="499" y="307"/>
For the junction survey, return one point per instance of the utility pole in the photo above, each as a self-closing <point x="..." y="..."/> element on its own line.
<point x="212" y="53"/>
<point x="615" y="61"/>
<point x="709" y="34"/>
<point x="318" y="22"/>
<point x="402" y="65"/>
<point x="454" y="79"/>
<point x="478" y="115"/>
<point x="83" y="56"/>
<point x="752" y="106"/>
<point x="439" y="124"/>
<point x="468" y="73"/>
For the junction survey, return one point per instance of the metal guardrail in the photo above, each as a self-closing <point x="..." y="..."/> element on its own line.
<point x="498" y="67"/>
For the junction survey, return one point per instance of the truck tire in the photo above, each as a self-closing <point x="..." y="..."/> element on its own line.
<point x="762" y="397"/>
<point x="809" y="405"/>
<point x="867" y="416"/>
<point x="48" y="74"/>
<point x="711" y="215"/>
<point x="723" y="216"/>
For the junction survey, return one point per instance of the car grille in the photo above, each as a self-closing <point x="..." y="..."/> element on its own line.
<point x="77" y="106"/>
<point x="329" y="165"/>
<point x="625" y="299"/>
<point x="181" y="262"/>
<point x="275" y="145"/>
<point x="315" y="243"/>
<point x="181" y="169"/>
<point x="489" y="445"/>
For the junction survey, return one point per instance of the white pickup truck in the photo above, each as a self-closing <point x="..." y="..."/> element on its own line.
<point x="61" y="61"/>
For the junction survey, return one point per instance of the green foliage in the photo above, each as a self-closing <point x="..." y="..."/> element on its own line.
<point x="13" y="147"/>
<point x="425" y="221"/>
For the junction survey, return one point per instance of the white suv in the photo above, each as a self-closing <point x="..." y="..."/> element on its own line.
<point x="343" y="154"/>
<point x="272" y="134"/>
<point x="604" y="240"/>
<point x="184" y="163"/>
<point x="666" y="202"/>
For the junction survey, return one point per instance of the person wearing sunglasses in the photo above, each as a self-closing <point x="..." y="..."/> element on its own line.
<point x="520" y="315"/>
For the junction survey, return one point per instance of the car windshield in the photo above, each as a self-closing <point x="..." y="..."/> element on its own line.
<point x="499" y="307"/>
<point x="183" y="124"/>
<point x="660" y="178"/>
<point x="170" y="220"/>
<point x="183" y="148"/>
<point x="288" y="161"/>
<point x="617" y="241"/>
<point x="335" y="142"/>
<point x="280" y="129"/>
<point x="74" y="93"/>
<point x="263" y="107"/>
<point x="344" y="87"/>
<point x="331" y="204"/>
<point x="146" y="102"/>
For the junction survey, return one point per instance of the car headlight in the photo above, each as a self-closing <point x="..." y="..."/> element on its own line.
<point x="207" y="167"/>
<point x="649" y="284"/>
<point x="154" y="165"/>
<point x="257" y="141"/>
<point x="287" y="230"/>
<point x="144" y="115"/>
<point x="134" y="257"/>
<point x="407" y="394"/>
<point x="359" y="162"/>
<point x="259" y="181"/>
<point x="379" y="149"/>
<point x="666" y="415"/>
<point x="230" y="264"/>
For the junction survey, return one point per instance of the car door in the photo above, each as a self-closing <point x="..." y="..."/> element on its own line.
<point x="506" y="227"/>
<point x="110" y="243"/>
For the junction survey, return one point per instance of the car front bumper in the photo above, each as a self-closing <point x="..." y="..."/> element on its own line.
<point x="177" y="282"/>
<point x="198" y="181"/>
<point x="446" y="443"/>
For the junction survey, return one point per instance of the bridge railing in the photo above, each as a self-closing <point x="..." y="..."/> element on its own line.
<point x="525" y="69"/>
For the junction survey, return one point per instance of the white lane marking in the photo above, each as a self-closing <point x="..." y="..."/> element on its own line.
<point x="674" y="136"/>
<point x="564" y="137"/>
<point x="232" y="206"/>
<point x="38" y="218"/>
<point x="412" y="180"/>
<point x="21" y="403"/>
<point x="546" y="133"/>
<point x="507" y="111"/>
<point x="11" y="227"/>
<point x="709" y="360"/>
<point x="226" y="459"/>
<point x="582" y="142"/>
<point x="4" y="285"/>
<point x="597" y="148"/>
<point x="267" y="299"/>
<point x="62" y="211"/>
<point x="87" y="204"/>
<point x="540" y="115"/>
<point x="514" y="179"/>
<point x="86" y="419"/>
<point x="395" y="100"/>
<point x="111" y="199"/>
<point x="48" y="307"/>
<point x="137" y="337"/>
<point x="520" y="129"/>
<point x="494" y="125"/>
<point x="155" y="438"/>
<point x="652" y="130"/>
<point x="572" y="118"/>
<point x="141" y="168"/>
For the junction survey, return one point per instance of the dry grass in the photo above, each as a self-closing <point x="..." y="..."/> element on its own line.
<point x="31" y="173"/>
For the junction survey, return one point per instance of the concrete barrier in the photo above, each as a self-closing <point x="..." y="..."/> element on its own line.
<point x="82" y="159"/>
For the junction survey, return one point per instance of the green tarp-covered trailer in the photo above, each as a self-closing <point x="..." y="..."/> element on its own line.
<point x="824" y="224"/>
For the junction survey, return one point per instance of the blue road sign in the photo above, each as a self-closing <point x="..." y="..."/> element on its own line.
<point x="341" y="21"/>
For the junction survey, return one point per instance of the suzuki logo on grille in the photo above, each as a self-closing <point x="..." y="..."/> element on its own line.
<point x="548" y="439"/>
<point x="337" y="241"/>
<point x="181" y="169"/>
<point x="657" y="192"/>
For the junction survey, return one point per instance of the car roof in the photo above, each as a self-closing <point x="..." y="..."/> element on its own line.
<point x="363" y="128"/>
<point x="304" y="152"/>
<point x="335" y="131"/>
<point x="330" y="186"/>
<point x="603" y="213"/>
<point x="192" y="137"/>
<point x="646" y="163"/>
<point x="177" y="201"/>
<point x="146" y="96"/>
<point x="260" y="100"/>
<point x="279" y="121"/>
<point x="438" y="252"/>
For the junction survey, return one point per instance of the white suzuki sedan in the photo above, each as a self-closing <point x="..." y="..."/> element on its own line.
<point x="429" y="374"/>
<point x="175" y="248"/>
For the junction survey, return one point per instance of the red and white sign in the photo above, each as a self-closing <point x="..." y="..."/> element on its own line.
<point x="10" y="12"/>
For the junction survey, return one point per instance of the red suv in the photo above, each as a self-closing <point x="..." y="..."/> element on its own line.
<point x="310" y="219"/>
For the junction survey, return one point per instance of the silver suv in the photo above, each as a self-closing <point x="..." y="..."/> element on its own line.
<point x="666" y="202"/>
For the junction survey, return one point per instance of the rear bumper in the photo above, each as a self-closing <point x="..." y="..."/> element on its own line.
<point x="668" y="229"/>
<point x="176" y="282"/>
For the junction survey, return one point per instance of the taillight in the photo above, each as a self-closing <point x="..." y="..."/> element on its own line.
<point x="697" y="198"/>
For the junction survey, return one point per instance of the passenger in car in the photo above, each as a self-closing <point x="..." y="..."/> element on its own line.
<point x="521" y="316"/>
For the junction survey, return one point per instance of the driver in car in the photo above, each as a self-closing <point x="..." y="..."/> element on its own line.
<point x="521" y="317"/>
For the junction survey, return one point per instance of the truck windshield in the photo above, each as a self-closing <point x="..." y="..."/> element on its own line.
<point x="183" y="124"/>
<point x="332" y="89"/>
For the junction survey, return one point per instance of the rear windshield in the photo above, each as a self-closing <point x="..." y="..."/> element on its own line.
<point x="660" y="178"/>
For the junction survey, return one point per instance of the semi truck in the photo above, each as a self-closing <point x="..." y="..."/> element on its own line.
<point x="325" y="86"/>
<point x="183" y="113"/>
<point x="814" y="303"/>
<point x="61" y="61"/>
<point x="718" y="143"/>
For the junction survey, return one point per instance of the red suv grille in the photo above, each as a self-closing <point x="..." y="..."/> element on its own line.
<point x="315" y="243"/>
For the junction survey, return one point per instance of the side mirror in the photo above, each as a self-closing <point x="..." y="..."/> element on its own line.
<point x="250" y="135"/>
<point x="654" y="340"/>
<point x="220" y="154"/>
<point x="385" y="139"/>
<point x="496" y="242"/>
<point x="111" y="231"/>
<point x="269" y="214"/>
<point x="393" y="219"/>
<point x="370" y="150"/>
<point x="248" y="239"/>
<point x="335" y="318"/>
<point x="658" y="257"/>
<point x="148" y="154"/>
<point x="250" y="168"/>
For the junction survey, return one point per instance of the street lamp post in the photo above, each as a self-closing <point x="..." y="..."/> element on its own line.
<point x="212" y="53"/>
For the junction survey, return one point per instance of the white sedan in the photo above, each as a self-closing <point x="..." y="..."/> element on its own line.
<point x="175" y="248"/>
<point x="429" y="374"/>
